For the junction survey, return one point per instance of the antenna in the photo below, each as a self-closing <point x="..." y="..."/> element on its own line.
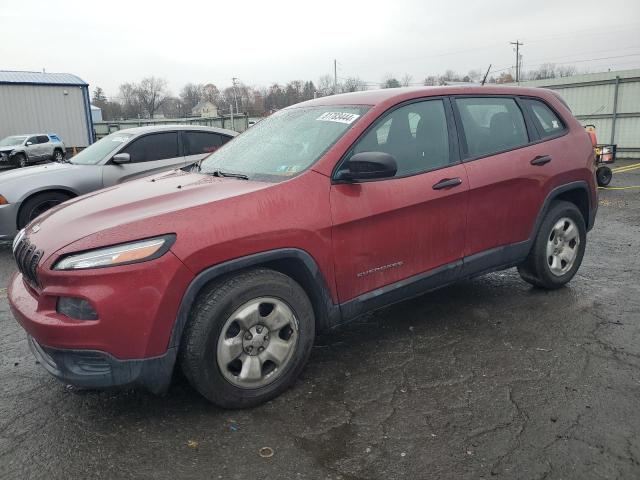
<point x="484" y="80"/>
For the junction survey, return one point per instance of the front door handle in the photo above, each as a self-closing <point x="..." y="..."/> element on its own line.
<point x="447" y="183"/>
<point x="541" y="160"/>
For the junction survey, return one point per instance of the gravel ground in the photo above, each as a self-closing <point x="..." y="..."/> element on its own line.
<point x="487" y="378"/>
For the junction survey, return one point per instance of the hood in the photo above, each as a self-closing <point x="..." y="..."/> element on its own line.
<point x="8" y="148"/>
<point x="26" y="173"/>
<point x="132" y="202"/>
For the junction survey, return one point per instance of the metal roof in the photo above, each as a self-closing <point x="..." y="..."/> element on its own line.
<point x="40" y="78"/>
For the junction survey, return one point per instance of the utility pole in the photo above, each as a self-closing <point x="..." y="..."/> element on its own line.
<point x="235" y="95"/>
<point x="335" y="76"/>
<point x="518" y="45"/>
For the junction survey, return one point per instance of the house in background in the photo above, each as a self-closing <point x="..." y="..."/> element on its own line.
<point x="204" y="109"/>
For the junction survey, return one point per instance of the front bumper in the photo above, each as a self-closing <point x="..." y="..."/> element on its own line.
<point x="96" y="369"/>
<point x="9" y="220"/>
<point x="136" y="306"/>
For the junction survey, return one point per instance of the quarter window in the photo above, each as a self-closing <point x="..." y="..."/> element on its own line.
<point x="547" y="122"/>
<point x="416" y="135"/>
<point x="491" y="125"/>
<point x="202" y="142"/>
<point x="158" y="146"/>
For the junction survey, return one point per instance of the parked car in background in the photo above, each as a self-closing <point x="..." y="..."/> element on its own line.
<point x="319" y="213"/>
<point x="124" y="155"/>
<point x="23" y="150"/>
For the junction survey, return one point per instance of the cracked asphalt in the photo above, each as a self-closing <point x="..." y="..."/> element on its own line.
<point x="489" y="378"/>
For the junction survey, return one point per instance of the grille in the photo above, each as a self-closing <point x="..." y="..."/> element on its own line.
<point x="27" y="257"/>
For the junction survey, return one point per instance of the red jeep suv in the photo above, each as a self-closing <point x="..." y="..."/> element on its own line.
<point x="319" y="213"/>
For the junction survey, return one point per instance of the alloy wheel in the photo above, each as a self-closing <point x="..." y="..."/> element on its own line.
<point x="257" y="342"/>
<point x="562" y="246"/>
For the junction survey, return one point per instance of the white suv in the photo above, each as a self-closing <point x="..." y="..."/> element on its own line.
<point x="22" y="150"/>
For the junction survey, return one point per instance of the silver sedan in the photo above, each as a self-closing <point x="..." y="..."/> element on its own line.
<point x="124" y="155"/>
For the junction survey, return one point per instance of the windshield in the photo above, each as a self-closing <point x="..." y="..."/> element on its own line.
<point x="93" y="154"/>
<point x="284" y="144"/>
<point x="13" y="140"/>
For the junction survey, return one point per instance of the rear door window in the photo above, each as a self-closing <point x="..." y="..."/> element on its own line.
<point x="43" y="139"/>
<point x="546" y="121"/>
<point x="197" y="143"/>
<point x="491" y="125"/>
<point x="157" y="146"/>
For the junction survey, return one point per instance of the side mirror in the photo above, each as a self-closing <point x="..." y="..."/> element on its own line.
<point x="367" y="166"/>
<point x="121" y="158"/>
<point x="28" y="144"/>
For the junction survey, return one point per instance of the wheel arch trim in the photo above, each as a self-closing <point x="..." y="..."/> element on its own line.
<point x="327" y="312"/>
<point x="555" y="194"/>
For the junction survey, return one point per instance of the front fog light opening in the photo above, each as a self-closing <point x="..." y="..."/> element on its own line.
<point x="76" y="308"/>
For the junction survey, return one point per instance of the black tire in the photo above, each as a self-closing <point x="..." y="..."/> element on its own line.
<point x="212" y="309"/>
<point x="58" y="155"/>
<point x="603" y="176"/>
<point x="535" y="269"/>
<point x="21" y="160"/>
<point x="39" y="204"/>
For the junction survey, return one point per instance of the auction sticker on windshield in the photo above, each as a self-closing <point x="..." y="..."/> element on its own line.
<point x="340" y="117"/>
<point x="119" y="139"/>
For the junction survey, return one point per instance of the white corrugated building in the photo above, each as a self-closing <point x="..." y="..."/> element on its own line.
<point x="608" y="100"/>
<point x="36" y="102"/>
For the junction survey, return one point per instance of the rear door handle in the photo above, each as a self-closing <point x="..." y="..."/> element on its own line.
<point x="541" y="160"/>
<point x="447" y="183"/>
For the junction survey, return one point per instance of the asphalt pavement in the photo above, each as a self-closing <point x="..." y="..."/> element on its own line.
<point x="489" y="378"/>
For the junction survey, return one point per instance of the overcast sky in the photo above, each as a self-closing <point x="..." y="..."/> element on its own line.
<point x="266" y="41"/>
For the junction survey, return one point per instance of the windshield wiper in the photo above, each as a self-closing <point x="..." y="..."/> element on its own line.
<point x="220" y="173"/>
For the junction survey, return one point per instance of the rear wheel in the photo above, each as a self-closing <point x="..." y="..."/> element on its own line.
<point x="38" y="204"/>
<point x="603" y="176"/>
<point x="247" y="338"/>
<point x="558" y="248"/>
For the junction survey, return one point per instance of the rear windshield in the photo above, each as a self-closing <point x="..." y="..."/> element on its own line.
<point x="284" y="144"/>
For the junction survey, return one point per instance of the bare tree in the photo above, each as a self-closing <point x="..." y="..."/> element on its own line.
<point x="190" y="95"/>
<point x="152" y="93"/>
<point x="173" y="107"/>
<point x="406" y="80"/>
<point x="210" y="93"/>
<point x="325" y="85"/>
<point x="544" y="71"/>
<point x="353" y="84"/>
<point x="389" y="81"/>
<point x="505" y="77"/>
<point x="431" y="81"/>
<point x="129" y="100"/>
<point x="567" y="70"/>
<point x="474" y="76"/>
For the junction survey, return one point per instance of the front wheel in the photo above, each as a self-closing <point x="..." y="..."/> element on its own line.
<point x="558" y="248"/>
<point x="247" y="338"/>
<point x="58" y="156"/>
<point x="21" y="160"/>
<point x="603" y="176"/>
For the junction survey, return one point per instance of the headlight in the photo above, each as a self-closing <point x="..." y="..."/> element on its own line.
<point x="123" y="254"/>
